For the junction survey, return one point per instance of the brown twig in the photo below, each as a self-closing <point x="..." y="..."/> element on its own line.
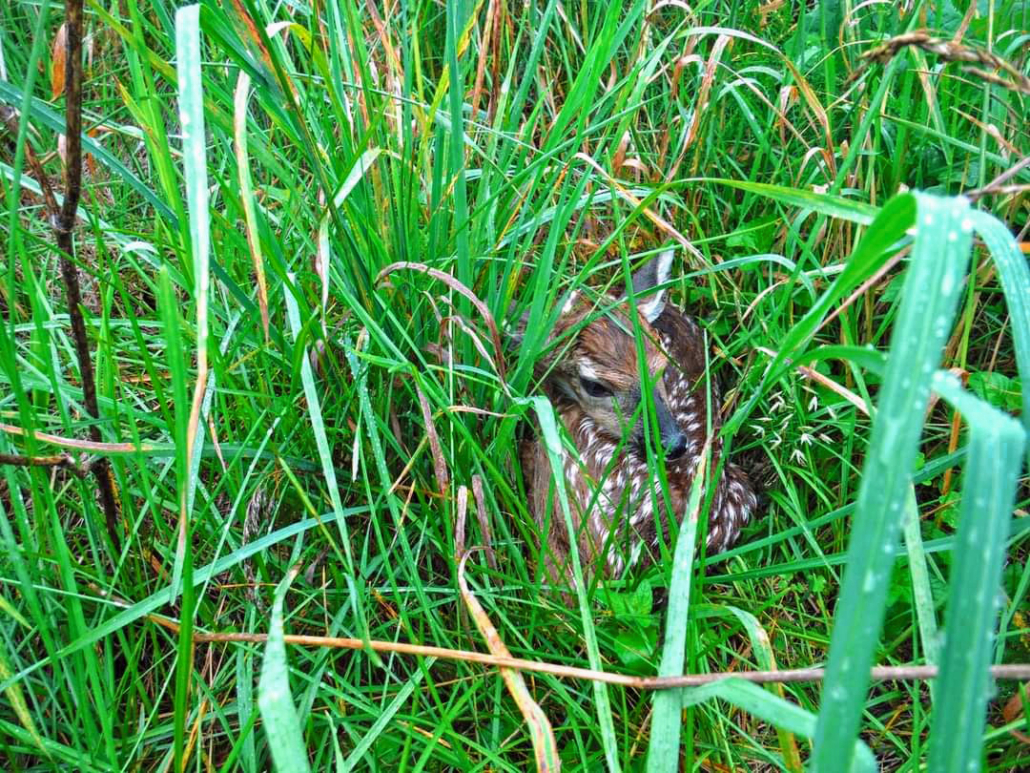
<point x="64" y="461"/>
<point x="1020" y="671"/>
<point x="63" y="225"/>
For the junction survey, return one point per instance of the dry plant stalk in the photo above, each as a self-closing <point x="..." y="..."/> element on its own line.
<point x="1017" y="671"/>
<point x="62" y="220"/>
<point x="63" y="461"/>
<point x="63" y="225"/>
<point x="949" y="51"/>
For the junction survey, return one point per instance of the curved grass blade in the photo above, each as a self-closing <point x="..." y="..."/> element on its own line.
<point x="281" y="721"/>
<point x="545" y="749"/>
<point x="1015" y="282"/>
<point x="922" y="590"/>
<point x="988" y="495"/>
<point x="325" y="456"/>
<point x="889" y="226"/>
<point x="823" y="203"/>
<point x="247" y="194"/>
<point x="940" y="257"/>
<point x="777" y="711"/>
<point x="762" y="650"/>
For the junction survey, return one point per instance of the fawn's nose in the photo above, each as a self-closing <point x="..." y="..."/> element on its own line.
<point x="676" y="446"/>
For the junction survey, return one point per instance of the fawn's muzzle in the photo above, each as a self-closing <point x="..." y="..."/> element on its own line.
<point x="675" y="446"/>
<point x="674" y="440"/>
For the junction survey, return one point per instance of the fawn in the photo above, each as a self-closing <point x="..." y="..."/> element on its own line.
<point x="592" y="378"/>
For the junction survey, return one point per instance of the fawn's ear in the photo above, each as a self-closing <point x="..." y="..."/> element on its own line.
<point x="655" y="272"/>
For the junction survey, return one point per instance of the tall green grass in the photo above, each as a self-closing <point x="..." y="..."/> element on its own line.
<point x="308" y="482"/>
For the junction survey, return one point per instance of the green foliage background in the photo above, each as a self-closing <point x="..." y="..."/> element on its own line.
<point x="523" y="149"/>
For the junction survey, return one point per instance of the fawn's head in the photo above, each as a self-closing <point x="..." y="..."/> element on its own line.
<point x="593" y="363"/>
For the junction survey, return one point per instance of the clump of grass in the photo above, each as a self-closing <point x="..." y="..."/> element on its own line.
<point x="309" y="483"/>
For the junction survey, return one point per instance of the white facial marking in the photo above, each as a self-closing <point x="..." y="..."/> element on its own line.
<point x="570" y="302"/>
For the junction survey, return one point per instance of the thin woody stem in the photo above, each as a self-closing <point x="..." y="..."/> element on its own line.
<point x="60" y="460"/>
<point x="1020" y="671"/>
<point x="63" y="224"/>
<point x="1016" y="671"/>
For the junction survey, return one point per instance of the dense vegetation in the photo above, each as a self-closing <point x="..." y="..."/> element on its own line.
<point x="352" y="425"/>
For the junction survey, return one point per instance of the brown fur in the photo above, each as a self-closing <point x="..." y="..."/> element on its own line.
<point x="618" y="513"/>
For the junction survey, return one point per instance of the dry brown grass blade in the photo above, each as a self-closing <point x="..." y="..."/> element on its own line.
<point x="1012" y="711"/>
<point x="443" y="480"/>
<point x="829" y="383"/>
<point x="484" y="51"/>
<point x="788" y="95"/>
<point x="82" y="445"/>
<point x="392" y="59"/>
<point x="649" y="213"/>
<point x="453" y="319"/>
<point x="9" y="117"/>
<point x="461" y="289"/>
<point x="545" y="749"/>
<point x="702" y="103"/>
<point x="989" y="128"/>
<point x="459" y="521"/>
<point x="822" y="118"/>
<point x="250" y="32"/>
<point x="58" y="58"/>
<point x="484" y="521"/>
<point x="997" y="185"/>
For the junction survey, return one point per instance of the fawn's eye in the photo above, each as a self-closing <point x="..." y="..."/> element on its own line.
<point x="594" y="388"/>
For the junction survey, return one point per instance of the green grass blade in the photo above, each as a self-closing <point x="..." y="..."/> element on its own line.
<point x="552" y="444"/>
<point x="403" y="696"/>
<point x="663" y="754"/>
<point x="778" y="711"/>
<point x="157" y="600"/>
<point x="279" y="715"/>
<point x="932" y="286"/>
<point x="823" y="203"/>
<point x="990" y="478"/>
<point x="1015" y="281"/>
<point x="47" y="116"/>
<point x="307" y="376"/>
<point x="191" y="116"/>
<point x="762" y="650"/>
<point x="922" y="591"/>
<point x="888" y="227"/>
<point x="16" y="697"/>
